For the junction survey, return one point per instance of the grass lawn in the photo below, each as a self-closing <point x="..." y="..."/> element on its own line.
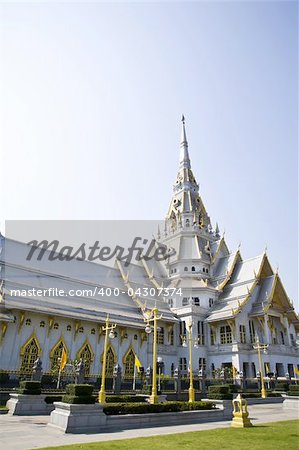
<point x="275" y="435"/>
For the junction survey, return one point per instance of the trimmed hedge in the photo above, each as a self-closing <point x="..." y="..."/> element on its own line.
<point x="282" y="387"/>
<point x="79" y="389"/>
<point x="215" y="396"/>
<point x="79" y="394"/>
<point x="219" y="389"/>
<point x="234" y="388"/>
<point x="29" y="388"/>
<point x="145" y="408"/>
<point x="4" y="377"/>
<point x="53" y="398"/>
<point x="125" y="398"/>
<point x="78" y="399"/>
<point x="258" y="394"/>
<point x="294" y="388"/>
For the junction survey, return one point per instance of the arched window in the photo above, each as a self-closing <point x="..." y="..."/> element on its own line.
<point x="110" y="362"/>
<point x="29" y="354"/>
<point x="87" y="357"/>
<point x="68" y="328"/>
<point x="56" y="326"/>
<point x="55" y="356"/>
<point x="93" y="331"/>
<point x="185" y="301"/>
<point x="193" y="269"/>
<point x="81" y="330"/>
<point x="186" y="269"/>
<point x="42" y="324"/>
<point x="28" y="322"/>
<point x="129" y="364"/>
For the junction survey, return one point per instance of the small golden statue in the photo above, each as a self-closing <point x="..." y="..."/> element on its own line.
<point x="240" y="413"/>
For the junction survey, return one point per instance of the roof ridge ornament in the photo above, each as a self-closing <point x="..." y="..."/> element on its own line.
<point x="184" y="154"/>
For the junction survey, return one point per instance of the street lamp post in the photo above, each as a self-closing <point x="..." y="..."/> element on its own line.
<point x="160" y="362"/>
<point x="258" y="346"/>
<point x="109" y="333"/>
<point x="152" y="316"/>
<point x="191" y="390"/>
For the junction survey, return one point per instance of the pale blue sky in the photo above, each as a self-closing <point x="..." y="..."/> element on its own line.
<point x="92" y="96"/>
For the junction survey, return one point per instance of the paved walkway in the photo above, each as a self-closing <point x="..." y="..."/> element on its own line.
<point x="28" y="432"/>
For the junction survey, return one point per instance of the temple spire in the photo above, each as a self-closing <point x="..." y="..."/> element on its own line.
<point x="184" y="154"/>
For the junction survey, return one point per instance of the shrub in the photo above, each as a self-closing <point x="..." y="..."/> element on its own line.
<point x="4" y="377"/>
<point x="53" y="398"/>
<point x="282" y="387"/>
<point x="294" y="388"/>
<point x="79" y="394"/>
<point x="78" y="399"/>
<point x="79" y="389"/>
<point x="258" y="394"/>
<point x="144" y="408"/>
<point x="219" y="389"/>
<point x="29" y="388"/>
<point x="47" y="379"/>
<point x="215" y="396"/>
<point x="233" y="388"/>
<point x="125" y="398"/>
<point x="147" y="389"/>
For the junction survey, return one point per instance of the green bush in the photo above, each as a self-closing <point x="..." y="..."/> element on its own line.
<point x="47" y="379"/>
<point x="219" y="389"/>
<point x="147" y="389"/>
<point x="293" y="393"/>
<point x="78" y="399"/>
<point x="79" y="389"/>
<point x="144" y="408"/>
<point x="4" y="377"/>
<point x="294" y="387"/>
<point x="251" y="395"/>
<point x="258" y="394"/>
<point x="214" y="396"/>
<point x="282" y="387"/>
<point x="30" y="385"/>
<point x="234" y="388"/>
<point x="53" y="398"/>
<point x="29" y="388"/>
<point x="125" y="398"/>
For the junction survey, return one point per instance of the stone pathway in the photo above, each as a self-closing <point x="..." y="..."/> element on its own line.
<point x="28" y="432"/>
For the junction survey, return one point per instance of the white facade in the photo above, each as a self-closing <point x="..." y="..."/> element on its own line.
<point x="229" y="301"/>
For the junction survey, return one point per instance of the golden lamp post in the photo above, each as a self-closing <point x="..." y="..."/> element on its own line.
<point x="258" y="346"/>
<point x="190" y="341"/>
<point x="152" y="316"/>
<point x="109" y="333"/>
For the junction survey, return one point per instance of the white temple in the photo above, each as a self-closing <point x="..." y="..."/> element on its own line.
<point x="229" y="300"/>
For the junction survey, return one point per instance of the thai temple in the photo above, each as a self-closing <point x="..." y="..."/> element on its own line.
<point x="230" y="302"/>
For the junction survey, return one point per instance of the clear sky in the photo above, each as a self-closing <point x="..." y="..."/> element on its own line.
<point x="91" y="99"/>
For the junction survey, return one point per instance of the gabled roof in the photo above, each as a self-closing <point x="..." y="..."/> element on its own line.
<point x="76" y="275"/>
<point x="220" y="250"/>
<point x="238" y="289"/>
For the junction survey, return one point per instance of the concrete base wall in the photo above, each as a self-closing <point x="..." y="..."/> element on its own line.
<point x="78" y="418"/>
<point x="28" y="405"/>
<point x="91" y="419"/>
